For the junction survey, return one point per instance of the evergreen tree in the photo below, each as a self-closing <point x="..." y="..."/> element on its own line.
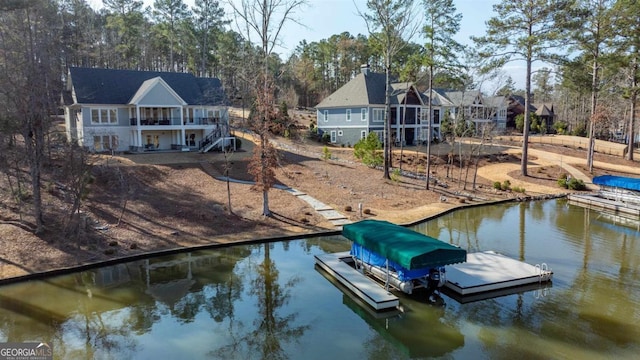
<point x="389" y="22"/>
<point x="591" y="37"/>
<point x="626" y="16"/>
<point x="524" y="30"/>
<point x="168" y="15"/>
<point x="442" y="23"/>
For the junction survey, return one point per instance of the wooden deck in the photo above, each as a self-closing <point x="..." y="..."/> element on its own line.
<point x="362" y="286"/>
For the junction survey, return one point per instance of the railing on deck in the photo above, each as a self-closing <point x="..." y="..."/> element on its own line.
<point x="175" y="121"/>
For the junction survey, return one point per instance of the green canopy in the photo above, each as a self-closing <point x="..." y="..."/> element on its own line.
<point x="406" y="247"/>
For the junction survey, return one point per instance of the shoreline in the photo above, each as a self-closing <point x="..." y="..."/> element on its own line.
<point x="231" y="241"/>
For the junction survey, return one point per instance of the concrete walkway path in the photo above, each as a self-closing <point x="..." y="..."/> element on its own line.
<point x="333" y="216"/>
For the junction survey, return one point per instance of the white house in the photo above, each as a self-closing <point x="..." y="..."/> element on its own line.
<point x="127" y="110"/>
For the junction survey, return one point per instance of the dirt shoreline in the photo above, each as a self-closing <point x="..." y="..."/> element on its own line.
<point x="176" y="203"/>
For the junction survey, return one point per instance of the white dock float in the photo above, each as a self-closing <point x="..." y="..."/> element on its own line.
<point x="365" y="288"/>
<point x="631" y="210"/>
<point x="489" y="271"/>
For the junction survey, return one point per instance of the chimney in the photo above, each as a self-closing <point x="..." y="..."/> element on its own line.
<point x="364" y="68"/>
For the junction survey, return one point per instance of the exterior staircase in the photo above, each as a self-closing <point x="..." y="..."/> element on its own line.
<point x="215" y="140"/>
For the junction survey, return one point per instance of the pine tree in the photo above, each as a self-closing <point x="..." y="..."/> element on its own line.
<point x="524" y="30"/>
<point x="442" y="51"/>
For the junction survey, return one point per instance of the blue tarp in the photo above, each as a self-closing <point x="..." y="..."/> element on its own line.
<point x="618" y="182"/>
<point x="372" y="258"/>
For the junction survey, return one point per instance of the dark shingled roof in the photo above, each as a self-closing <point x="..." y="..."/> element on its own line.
<point x="362" y="90"/>
<point x="111" y="86"/>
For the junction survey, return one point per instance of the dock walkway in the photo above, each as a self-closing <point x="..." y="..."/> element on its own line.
<point x="365" y="288"/>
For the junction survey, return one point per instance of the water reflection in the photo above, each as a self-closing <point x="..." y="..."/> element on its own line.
<point x="268" y="300"/>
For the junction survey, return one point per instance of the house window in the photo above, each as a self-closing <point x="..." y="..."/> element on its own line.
<point x="215" y="114"/>
<point x="424" y="133"/>
<point x="188" y="115"/>
<point x="378" y="115"/>
<point x="363" y="114"/>
<point x="436" y="116"/>
<point x="363" y="134"/>
<point x="190" y="139"/>
<point x="104" y="116"/>
<point x="326" y="116"/>
<point x="333" y="136"/>
<point x="340" y="133"/>
<point x="348" y="114"/>
<point x="105" y="142"/>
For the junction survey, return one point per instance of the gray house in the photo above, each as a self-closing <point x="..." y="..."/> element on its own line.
<point x="127" y="110"/>
<point x="358" y="108"/>
<point x="488" y="113"/>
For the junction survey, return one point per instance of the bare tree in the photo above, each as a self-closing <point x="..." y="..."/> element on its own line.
<point x="77" y="176"/>
<point x="28" y="81"/>
<point x="228" y="164"/>
<point x="391" y="23"/>
<point x="266" y="19"/>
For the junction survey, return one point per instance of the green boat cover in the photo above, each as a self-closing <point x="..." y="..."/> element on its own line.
<point x="406" y="247"/>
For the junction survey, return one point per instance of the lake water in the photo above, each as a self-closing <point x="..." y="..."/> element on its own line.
<point x="268" y="301"/>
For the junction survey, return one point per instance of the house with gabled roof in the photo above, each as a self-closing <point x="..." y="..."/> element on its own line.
<point x="473" y="107"/>
<point x="546" y="114"/>
<point x="358" y="108"/>
<point x="128" y="110"/>
<point x="497" y="108"/>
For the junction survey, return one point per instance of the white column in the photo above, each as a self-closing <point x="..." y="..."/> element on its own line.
<point x="138" y="130"/>
<point x="181" y="140"/>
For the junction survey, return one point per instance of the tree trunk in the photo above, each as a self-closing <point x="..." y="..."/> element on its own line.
<point x="34" y="140"/>
<point x="634" y="99"/>
<point x="387" y="121"/>
<point x="527" y="120"/>
<point x="592" y="123"/>
<point x="429" y="130"/>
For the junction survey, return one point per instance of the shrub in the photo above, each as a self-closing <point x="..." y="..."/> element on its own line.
<point x="576" y="184"/>
<point x="348" y="208"/>
<point x="395" y="175"/>
<point x="504" y="186"/>
<point x="568" y="182"/>
<point x="367" y="150"/>
<point x="326" y="153"/>
<point x="366" y="211"/>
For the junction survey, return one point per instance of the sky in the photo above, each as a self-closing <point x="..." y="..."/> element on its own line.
<point x="324" y="18"/>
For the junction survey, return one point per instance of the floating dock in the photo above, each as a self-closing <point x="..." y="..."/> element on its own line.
<point x="485" y="275"/>
<point x="600" y="203"/>
<point x="489" y="271"/>
<point x="365" y="288"/>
